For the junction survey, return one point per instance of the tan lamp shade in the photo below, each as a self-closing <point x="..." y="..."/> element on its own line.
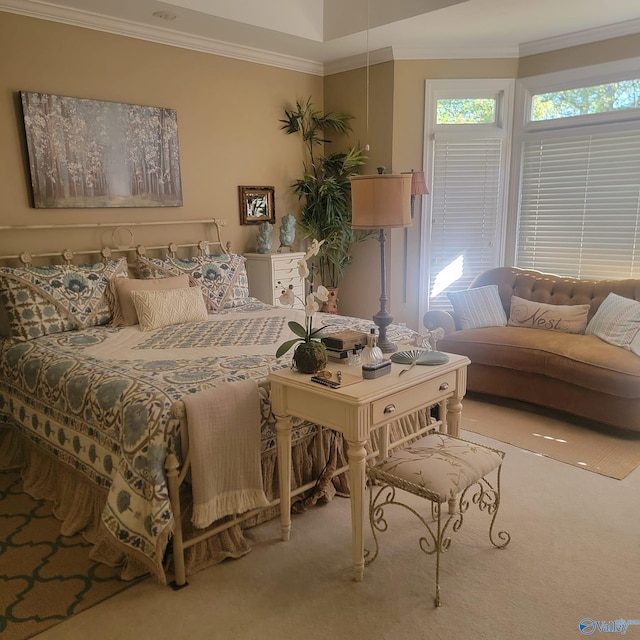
<point x="381" y="201"/>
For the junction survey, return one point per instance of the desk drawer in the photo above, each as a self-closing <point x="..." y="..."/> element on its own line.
<point x="409" y="400"/>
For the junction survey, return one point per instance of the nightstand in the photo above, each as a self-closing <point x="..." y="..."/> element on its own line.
<point x="266" y="270"/>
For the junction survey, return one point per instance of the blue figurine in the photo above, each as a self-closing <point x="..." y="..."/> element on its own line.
<point x="265" y="230"/>
<point x="287" y="232"/>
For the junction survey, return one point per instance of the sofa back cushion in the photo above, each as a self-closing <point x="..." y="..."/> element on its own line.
<point x="549" y="288"/>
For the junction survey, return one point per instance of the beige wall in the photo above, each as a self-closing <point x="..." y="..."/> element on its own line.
<point x="404" y="121"/>
<point x="228" y="114"/>
<point x="396" y="136"/>
<point x="347" y="92"/>
<point x="580" y="56"/>
<point x="229" y="134"/>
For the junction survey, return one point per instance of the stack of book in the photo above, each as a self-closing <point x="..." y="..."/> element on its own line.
<point x="338" y="345"/>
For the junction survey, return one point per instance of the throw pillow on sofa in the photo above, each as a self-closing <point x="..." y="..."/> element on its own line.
<point x="565" y="318"/>
<point x="617" y="321"/>
<point x="478" y="307"/>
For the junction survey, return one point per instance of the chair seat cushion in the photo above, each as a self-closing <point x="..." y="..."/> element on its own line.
<point x="437" y="467"/>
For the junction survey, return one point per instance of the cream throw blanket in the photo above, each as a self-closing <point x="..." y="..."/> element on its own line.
<point x="224" y="442"/>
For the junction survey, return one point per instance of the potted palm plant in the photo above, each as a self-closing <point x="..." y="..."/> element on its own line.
<point x="325" y="188"/>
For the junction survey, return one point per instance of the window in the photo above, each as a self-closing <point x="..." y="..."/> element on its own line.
<point x="580" y="205"/>
<point x="579" y="180"/>
<point x="466" y="156"/>
<point x="466" y="110"/>
<point x="603" y="98"/>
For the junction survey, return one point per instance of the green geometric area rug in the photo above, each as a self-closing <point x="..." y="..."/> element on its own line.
<point x="45" y="577"/>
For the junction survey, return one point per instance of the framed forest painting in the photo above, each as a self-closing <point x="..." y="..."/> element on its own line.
<point x="90" y="153"/>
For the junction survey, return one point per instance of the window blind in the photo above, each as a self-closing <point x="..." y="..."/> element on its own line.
<point x="466" y="200"/>
<point x="579" y="211"/>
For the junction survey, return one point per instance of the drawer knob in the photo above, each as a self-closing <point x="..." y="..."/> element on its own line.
<point x="390" y="408"/>
<point x="444" y="386"/>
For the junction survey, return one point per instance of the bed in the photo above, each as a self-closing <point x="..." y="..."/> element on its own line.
<point x="93" y="410"/>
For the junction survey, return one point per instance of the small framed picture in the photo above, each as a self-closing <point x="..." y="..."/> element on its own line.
<point x="257" y="205"/>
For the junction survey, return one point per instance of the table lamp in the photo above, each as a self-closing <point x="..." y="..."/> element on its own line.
<point x="381" y="201"/>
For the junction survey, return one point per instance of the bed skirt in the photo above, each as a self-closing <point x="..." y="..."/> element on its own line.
<point x="78" y="503"/>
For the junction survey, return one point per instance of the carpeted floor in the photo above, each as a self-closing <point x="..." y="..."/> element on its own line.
<point x="44" y="577"/>
<point x="611" y="452"/>
<point x="573" y="557"/>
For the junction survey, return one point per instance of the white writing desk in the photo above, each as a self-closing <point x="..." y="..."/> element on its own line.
<point x="356" y="410"/>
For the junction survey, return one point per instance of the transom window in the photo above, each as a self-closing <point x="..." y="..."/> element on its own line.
<point x="466" y="111"/>
<point x="601" y="98"/>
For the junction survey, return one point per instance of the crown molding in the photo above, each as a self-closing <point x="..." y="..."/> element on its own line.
<point x="159" y="35"/>
<point x="450" y="53"/>
<point x="361" y="60"/>
<point x="577" y="38"/>
<point x="412" y="53"/>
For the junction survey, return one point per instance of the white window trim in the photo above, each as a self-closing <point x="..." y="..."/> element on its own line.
<point x="435" y="89"/>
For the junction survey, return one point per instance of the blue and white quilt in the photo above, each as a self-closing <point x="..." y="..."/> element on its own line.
<point x="99" y="400"/>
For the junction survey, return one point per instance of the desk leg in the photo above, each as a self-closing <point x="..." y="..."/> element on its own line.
<point x="283" y="446"/>
<point x="357" y="455"/>
<point x="454" y="411"/>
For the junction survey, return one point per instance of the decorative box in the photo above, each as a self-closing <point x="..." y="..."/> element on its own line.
<point x="376" y="369"/>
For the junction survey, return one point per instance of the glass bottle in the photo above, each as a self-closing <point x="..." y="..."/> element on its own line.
<point x="372" y="352"/>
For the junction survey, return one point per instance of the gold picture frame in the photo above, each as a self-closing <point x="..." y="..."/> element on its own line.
<point x="257" y="205"/>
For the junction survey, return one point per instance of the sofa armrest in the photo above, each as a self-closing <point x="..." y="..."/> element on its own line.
<point x="439" y="318"/>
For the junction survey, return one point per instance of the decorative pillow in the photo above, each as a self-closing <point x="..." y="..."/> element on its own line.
<point x="617" y="321"/>
<point x="124" y="312"/>
<point x="478" y="307"/>
<point x="223" y="279"/>
<point x="55" y="298"/>
<point x="565" y="318"/>
<point x="160" y="308"/>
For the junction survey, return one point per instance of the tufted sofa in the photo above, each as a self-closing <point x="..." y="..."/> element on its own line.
<point x="575" y="373"/>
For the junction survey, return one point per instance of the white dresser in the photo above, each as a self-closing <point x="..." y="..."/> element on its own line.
<point x="266" y="270"/>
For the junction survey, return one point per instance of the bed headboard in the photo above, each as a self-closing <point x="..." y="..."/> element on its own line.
<point x="123" y="240"/>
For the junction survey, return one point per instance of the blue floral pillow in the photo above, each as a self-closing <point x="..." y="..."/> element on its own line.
<point x="38" y="301"/>
<point x="223" y="279"/>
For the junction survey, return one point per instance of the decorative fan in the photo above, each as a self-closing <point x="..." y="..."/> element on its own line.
<point x="420" y="356"/>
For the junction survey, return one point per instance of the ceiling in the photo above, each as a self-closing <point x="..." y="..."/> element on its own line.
<point x="325" y="36"/>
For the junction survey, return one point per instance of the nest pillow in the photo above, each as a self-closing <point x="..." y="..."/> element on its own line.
<point x="223" y="279"/>
<point x="39" y="301"/>
<point x="564" y="318"/>
<point x="617" y="321"/>
<point x="124" y="312"/>
<point x="478" y="307"/>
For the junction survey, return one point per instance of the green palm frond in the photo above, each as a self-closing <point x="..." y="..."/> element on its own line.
<point x="325" y="187"/>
